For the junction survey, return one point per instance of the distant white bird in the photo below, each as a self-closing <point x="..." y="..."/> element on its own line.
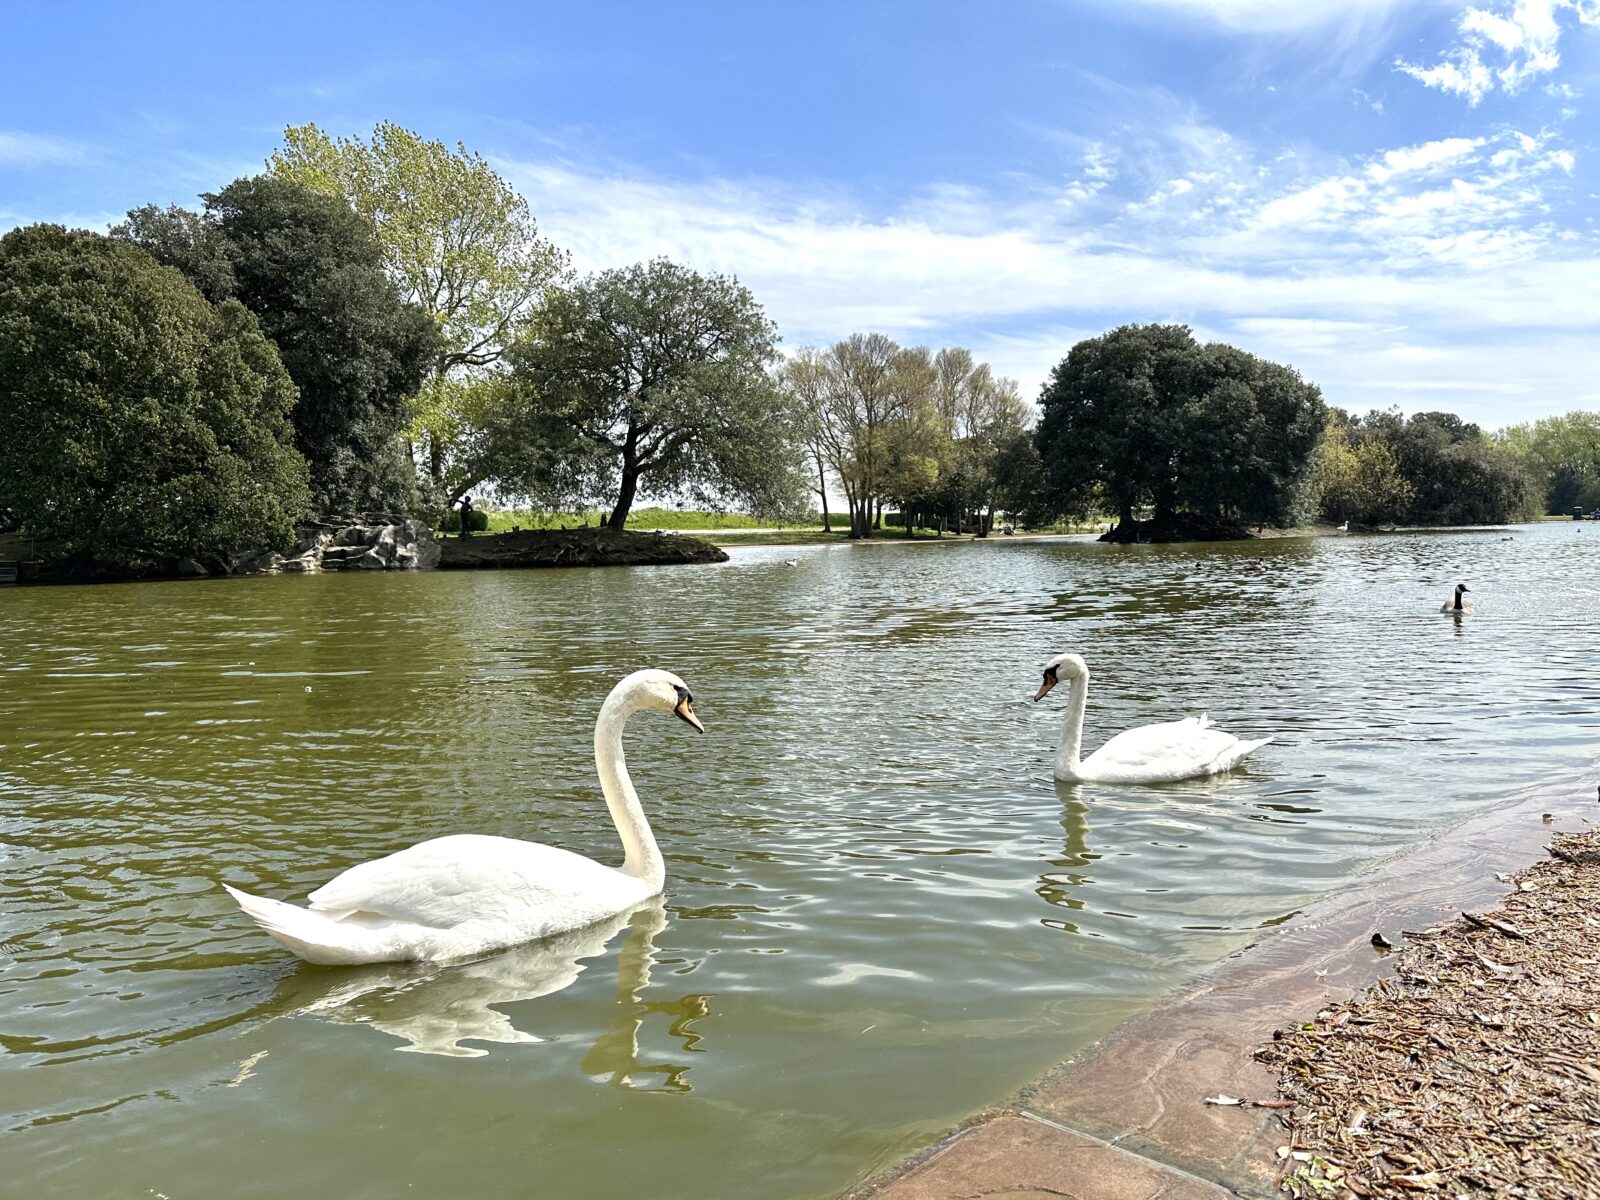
<point x="1458" y="605"/>
<point x="1148" y="754"/>
<point x="1345" y="527"/>
<point x="467" y="894"/>
<point x="791" y="562"/>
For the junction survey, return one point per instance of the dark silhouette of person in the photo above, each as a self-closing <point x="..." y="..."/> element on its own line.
<point x="466" y="516"/>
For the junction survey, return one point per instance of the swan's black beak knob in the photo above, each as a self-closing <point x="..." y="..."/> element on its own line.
<point x="1050" y="681"/>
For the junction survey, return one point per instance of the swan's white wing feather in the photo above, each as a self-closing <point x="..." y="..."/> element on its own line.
<point x="451" y="881"/>
<point x="1170" y="750"/>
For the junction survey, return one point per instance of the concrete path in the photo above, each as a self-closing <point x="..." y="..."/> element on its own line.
<point x="1127" y="1119"/>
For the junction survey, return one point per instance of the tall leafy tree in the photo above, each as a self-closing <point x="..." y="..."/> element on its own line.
<point x="654" y="375"/>
<point x="1456" y="474"/>
<point x="458" y="240"/>
<point x="312" y="272"/>
<point x="139" y="419"/>
<point x="1145" y="415"/>
<point x="1562" y="456"/>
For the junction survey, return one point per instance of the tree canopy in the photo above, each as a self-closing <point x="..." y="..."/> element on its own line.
<point x="1562" y="457"/>
<point x="456" y="237"/>
<point x="312" y="273"/>
<point x="1146" y="415"/>
<point x="139" y="418"/>
<point x="1457" y="476"/>
<point x="651" y="373"/>
<point x="907" y="426"/>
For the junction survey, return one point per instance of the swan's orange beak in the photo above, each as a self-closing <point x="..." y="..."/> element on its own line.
<point x="685" y="712"/>
<point x="1050" y="681"/>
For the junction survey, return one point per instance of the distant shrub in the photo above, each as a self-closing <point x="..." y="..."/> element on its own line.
<point x="452" y="520"/>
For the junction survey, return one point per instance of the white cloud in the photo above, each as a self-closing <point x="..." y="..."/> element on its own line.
<point x="1272" y="16"/>
<point x="1368" y="275"/>
<point x="34" y="150"/>
<point x="1504" y="47"/>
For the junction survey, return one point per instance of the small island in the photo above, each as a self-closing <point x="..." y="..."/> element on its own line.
<point x="588" y="547"/>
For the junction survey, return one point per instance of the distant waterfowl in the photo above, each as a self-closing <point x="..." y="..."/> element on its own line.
<point x="1459" y="604"/>
<point x="791" y="562"/>
<point x="1148" y="754"/>
<point x="1344" y="527"/>
<point x="467" y="894"/>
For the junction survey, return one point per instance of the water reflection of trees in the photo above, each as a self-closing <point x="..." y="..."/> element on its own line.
<point x="437" y="1009"/>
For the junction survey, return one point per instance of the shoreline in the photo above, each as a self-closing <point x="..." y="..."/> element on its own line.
<point x="1125" y="1117"/>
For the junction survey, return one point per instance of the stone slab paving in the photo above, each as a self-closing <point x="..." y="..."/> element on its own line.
<point x="1127" y="1118"/>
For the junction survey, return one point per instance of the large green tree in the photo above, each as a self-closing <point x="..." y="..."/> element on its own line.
<point x="139" y="419"/>
<point x="1146" y="415"/>
<point x="1456" y="474"/>
<point x="654" y="375"/>
<point x="458" y="240"/>
<point x="1562" y="455"/>
<point x="312" y="272"/>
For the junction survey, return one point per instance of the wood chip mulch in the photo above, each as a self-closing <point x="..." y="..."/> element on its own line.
<point x="1477" y="1071"/>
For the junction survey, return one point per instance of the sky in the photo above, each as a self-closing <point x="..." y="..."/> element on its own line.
<point x="1397" y="197"/>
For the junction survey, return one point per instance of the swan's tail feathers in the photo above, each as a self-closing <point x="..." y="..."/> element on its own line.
<point x="313" y="936"/>
<point x="1239" y="751"/>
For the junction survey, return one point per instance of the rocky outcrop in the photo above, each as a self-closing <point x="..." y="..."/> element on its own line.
<point x="576" y="548"/>
<point x="378" y="543"/>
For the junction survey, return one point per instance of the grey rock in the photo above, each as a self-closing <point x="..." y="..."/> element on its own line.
<point x="188" y="566"/>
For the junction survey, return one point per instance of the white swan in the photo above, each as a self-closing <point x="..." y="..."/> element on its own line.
<point x="469" y="893"/>
<point x="1148" y="754"/>
<point x="1458" y="605"/>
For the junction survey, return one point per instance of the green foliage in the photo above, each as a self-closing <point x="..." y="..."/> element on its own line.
<point x="650" y="373"/>
<point x="908" y="427"/>
<point x="1145" y="415"/>
<point x="1358" y="479"/>
<point x="455" y="237"/>
<point x="1456" y="474"/>
<point x="139" y="419"/>
<point x="312" y="273"/>
<point x="1562" y="457"/>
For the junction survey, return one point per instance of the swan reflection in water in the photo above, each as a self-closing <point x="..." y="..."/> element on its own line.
<point x="435" y="1009"/>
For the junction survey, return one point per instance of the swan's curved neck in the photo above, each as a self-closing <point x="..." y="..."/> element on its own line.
<point x="641" y="855"/>
<point x="1067" y="760"/>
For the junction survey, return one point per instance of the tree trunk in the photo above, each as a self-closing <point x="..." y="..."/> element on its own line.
<point x="822" y="490"/>
<point x="630" y="488"/>
<point x="877" y="514"/>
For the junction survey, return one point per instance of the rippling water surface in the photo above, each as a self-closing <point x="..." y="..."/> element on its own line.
<point x="881" y="912"/>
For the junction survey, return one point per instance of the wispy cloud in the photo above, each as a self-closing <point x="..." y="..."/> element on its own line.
<point x="1376" y="272"/>
<point x="1273" y="16"/>
<point x="1503" y="47"/>
<point x="19" y="149"/>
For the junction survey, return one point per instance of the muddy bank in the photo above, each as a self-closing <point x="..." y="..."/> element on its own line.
<point x="1127" y="1118"/>
<point x="574" y="548"/>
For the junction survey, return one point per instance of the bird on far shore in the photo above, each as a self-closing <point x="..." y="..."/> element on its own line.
<point x="1459" y="604"/>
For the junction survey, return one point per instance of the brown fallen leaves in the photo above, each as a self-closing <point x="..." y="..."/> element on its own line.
<point x="1477" y="1072"/>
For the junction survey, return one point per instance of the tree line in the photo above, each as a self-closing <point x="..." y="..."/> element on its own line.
<point x="380" y="325"/>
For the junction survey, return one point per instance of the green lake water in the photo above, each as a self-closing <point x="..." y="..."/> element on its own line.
<point x="881" y="912"/>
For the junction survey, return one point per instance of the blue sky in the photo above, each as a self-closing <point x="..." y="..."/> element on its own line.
<point x="1396" y="196"/>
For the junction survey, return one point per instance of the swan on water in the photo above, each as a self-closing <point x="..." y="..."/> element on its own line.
<point x="1458" y="605"/>
<point x="469" y="893"/>
<point x="1148" y="754"/>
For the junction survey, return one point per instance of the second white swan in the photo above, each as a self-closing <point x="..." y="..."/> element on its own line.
<point x="1149" y="754"/>
<point x="467" y="894"/>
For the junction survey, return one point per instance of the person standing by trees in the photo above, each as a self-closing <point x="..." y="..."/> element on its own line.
<point x="466" y="516"/>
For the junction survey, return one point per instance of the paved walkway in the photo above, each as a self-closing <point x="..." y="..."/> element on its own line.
<point x="1126" y="1120"/>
